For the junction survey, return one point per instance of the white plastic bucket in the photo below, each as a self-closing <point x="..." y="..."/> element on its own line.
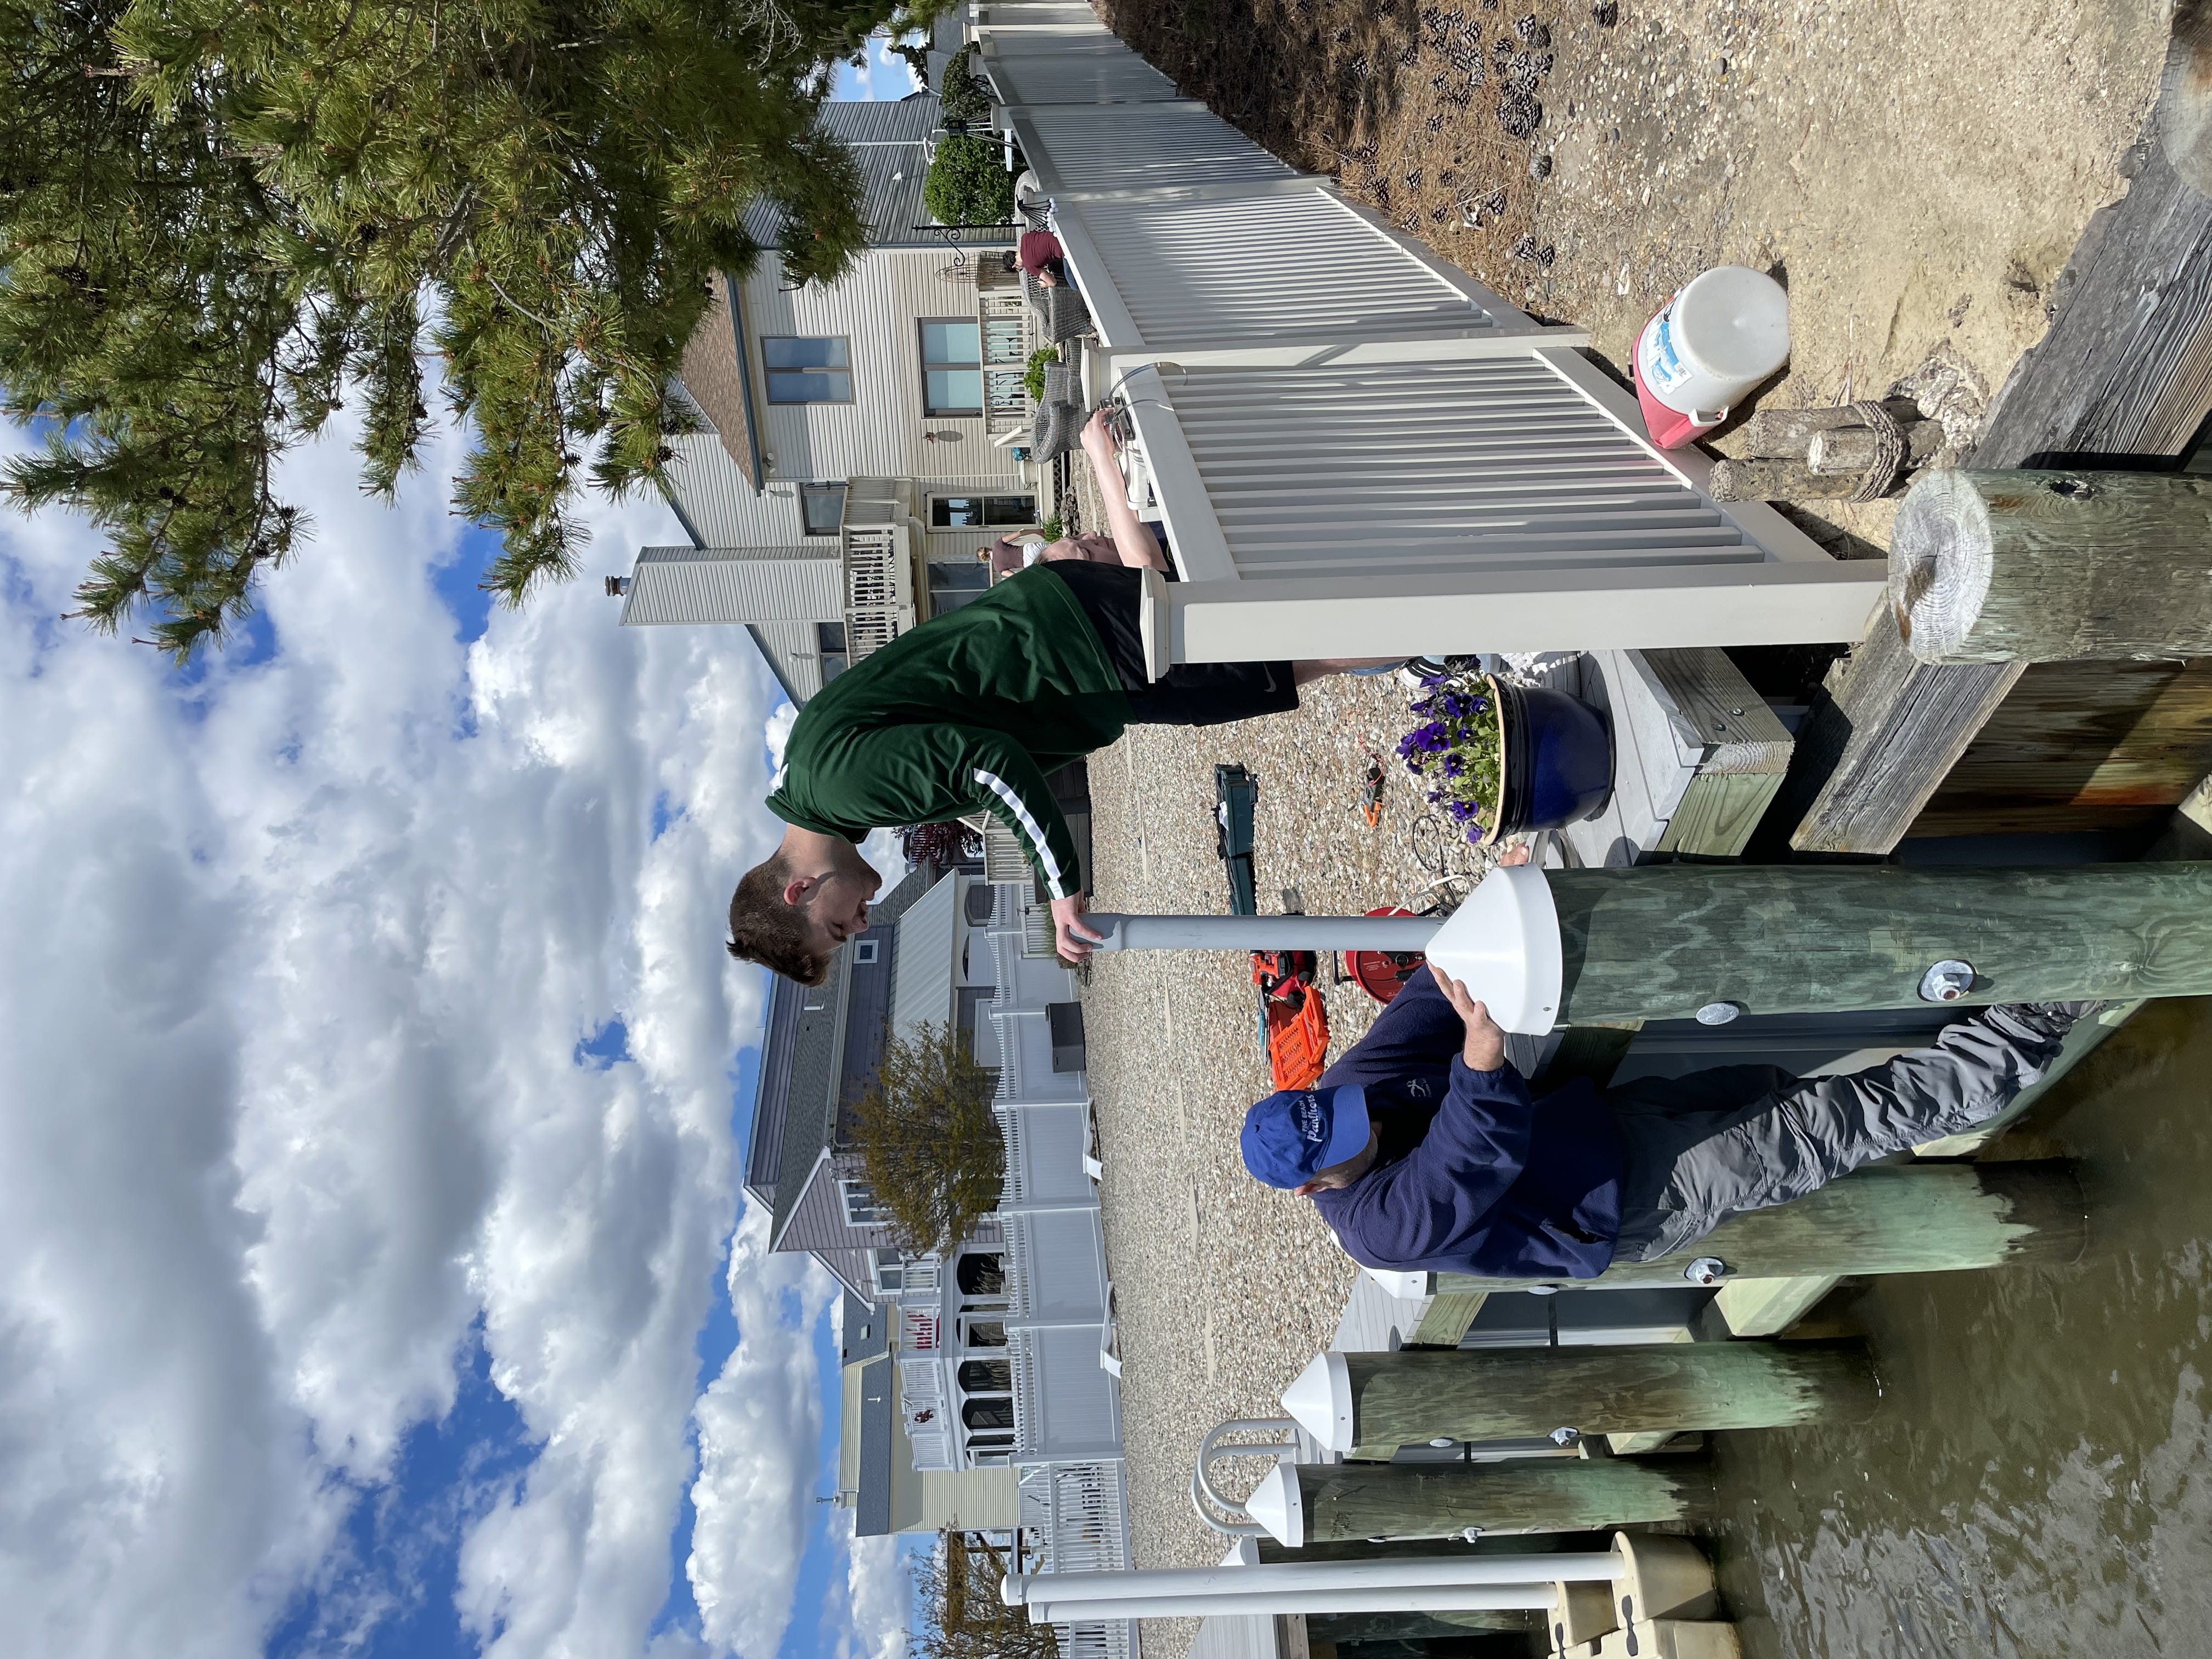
<point x="1714" y="341"/>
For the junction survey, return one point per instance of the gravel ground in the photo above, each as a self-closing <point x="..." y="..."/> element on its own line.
<point x="1224" y="1289"/>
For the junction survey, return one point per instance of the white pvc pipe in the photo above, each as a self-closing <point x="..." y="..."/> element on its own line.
<point x="1504" y="943"/>
<point x="1125" y="932"/>
<point x="1475" y="1598"/>
<point x="1401" y="1572"/>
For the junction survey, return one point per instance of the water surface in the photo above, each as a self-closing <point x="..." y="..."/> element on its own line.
<point x="2039" y="1481"/>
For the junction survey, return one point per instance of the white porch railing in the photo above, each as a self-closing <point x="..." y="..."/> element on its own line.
<point x="1004" y="860"/>
<point x="1359" y="450"/>
<point x="922" y="1388"/>
<point x="880" y="536"/>
<point x="1079" y="1514"/>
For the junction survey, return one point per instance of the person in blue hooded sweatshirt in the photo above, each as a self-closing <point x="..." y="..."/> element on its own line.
<point x="1424" y="1150"/>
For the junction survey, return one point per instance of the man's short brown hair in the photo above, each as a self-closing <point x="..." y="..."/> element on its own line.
<point x="765" y="929"/>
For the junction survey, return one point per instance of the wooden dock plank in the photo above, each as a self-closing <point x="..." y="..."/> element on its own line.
<point x="2126" y="369"/>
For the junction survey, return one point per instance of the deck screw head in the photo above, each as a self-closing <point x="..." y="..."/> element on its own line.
<point x="1947" y="981"/>
<point x="1717" y="1013"/>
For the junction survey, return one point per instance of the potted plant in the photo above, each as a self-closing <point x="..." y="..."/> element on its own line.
<point x="1497" y="759"/>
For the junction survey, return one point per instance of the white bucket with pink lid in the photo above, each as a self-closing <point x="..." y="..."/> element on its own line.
<point x="1713" y="342"/>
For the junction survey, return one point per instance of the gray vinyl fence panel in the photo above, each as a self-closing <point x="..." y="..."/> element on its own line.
<point x="1219" y="271"/>
<point x="1072" y="70"/>
<point x="1083" y="151"/>
<point x="1408" y="468"/>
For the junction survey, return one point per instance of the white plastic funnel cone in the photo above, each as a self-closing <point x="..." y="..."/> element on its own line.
<point x="1277" y="1504"/>
<point x="1320" y="1402"/>
<point x="1504" y="945"/>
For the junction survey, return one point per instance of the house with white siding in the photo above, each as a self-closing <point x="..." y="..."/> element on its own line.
<point x="857" y="442"/>
<point x="982" y="1385"/>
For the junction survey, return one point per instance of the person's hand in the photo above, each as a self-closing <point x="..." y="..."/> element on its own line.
<point x="1099" y="439"/>
<point x="1072" y="937"/>
<point x="1485" y="1050"/>
<point x="1046" y="279"/>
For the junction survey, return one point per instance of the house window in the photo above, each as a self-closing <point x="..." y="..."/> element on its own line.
<point x="982" y="511"/>
<point x="861" y="1209"/>
<point x="952" y="366"/>
<point x="822" y="506"/>
<point x="986" y="1332"/>
<point x="1065" y="1021"/>
<point x="830" y="643"/>
<point x="980" y="1275"/>
<point x="981" y="899"/>
<point x="804" y="368"/>
<point x="864" y="952"/>
<point x="956" y="582"/>
<point x="984" y="1376"/>
<point x="987" y="1414"/>
<point x="888" y="1273"/>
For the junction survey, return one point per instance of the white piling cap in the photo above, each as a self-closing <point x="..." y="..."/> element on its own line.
<point x="1320" y="1402"/>
<point x="1014" y="1589"/>
<point x="1277" y="1504"/>
<point x="1504" y="945"/>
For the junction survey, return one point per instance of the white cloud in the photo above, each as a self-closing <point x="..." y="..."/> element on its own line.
<point x="880" y="74"/>
<point x="298" y="962"/>
<point x="759" y="1423"/>
<point x="878" y="1598"/>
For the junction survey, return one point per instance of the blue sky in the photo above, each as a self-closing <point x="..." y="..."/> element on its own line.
<point x="374" y="1273"/>
<point x="882" y="76"/>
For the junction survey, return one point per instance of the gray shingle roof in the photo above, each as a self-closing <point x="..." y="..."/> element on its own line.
<point x="887" y="139"/>
<point x="871" y="1503"/>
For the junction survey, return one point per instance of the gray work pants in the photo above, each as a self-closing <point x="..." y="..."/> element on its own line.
<point x="1697" y="1150"/>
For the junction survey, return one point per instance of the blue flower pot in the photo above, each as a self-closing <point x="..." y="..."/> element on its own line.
<point x="1558" y="760"/>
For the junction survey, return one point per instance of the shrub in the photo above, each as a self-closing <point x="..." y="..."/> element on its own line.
<point x="968" y="184"/>
<point x="963" y="94"/>
<point x="1033" y="377"/>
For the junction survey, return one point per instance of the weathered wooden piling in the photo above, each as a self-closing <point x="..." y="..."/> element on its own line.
<point x="2045" y="567"/>
<point x="1337" y="1503"/>
<point x="1368" y="1405"/>
<point x="1661" y="941"/>
<point x="1339" y="1629"/>
<point x="1888" y="1219"/>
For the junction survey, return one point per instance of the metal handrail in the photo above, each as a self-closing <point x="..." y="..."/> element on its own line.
<point x="1285" y="1444"/>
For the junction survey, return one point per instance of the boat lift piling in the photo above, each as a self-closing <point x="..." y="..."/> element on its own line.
<point x="1545" y="948"/>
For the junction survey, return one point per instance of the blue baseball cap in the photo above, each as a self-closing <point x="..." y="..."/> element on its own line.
<point x="1293" y="1134"/>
